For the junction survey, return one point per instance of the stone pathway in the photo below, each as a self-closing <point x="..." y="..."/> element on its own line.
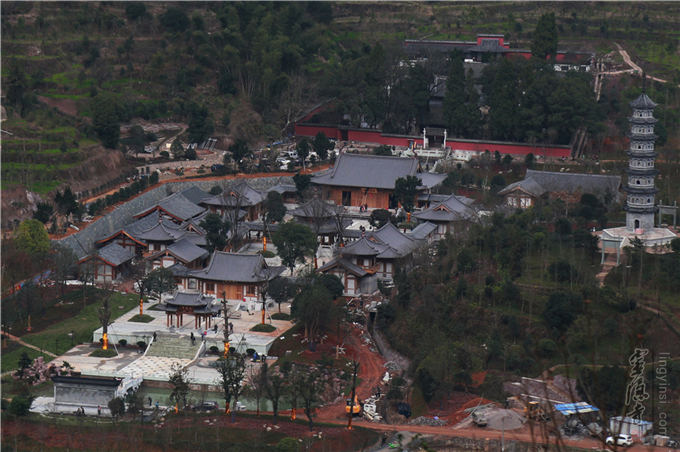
<point x="16" y="339"/>
<point x="609" y="264"/>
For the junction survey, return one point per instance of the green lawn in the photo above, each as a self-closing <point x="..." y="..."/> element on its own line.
<point x="83" y="324"/>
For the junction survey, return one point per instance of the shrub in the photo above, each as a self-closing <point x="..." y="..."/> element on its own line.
<point x="141" y="344"/>
<point x="122" y="342"/>
<point x="214" y="349"/>
<point x="263" y="328"/>
<point x="20" y="405"/>
<point x="281" y="316"/>
<point x="268" y="254"/>
<point x="165" y="154"/>
<point x="141" y="318"/>
<point x="547" y="348"/>
<point x="250" y="351"/>
<point x="288" y="445"/>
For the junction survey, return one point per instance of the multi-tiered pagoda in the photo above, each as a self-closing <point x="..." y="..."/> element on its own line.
<point x="640" y="208"/>
<point x="641" y="191"/>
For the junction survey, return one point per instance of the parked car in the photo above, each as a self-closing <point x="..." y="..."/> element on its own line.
<point x="621" y="440"/>
<point x="207" y="406"/>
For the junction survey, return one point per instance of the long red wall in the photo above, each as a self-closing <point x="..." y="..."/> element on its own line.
<point x="376" y="137"/>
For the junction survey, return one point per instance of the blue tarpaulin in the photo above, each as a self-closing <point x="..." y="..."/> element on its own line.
<point x="575" y="408"/>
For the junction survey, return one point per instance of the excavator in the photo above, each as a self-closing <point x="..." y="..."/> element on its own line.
<point x="534" y="411"/>
<point x="356" y="408"/>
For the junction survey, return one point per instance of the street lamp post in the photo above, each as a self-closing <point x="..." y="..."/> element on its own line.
<point x="226" y="324"/>
<point x="71" y="334"/>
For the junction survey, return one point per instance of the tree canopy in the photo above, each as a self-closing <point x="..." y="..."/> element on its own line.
<point x="160" y="281"/>
<point x="405" y="191"/>
<point x="216" y="230"/>
<point x="107" y="112"/>
<point x="32" y="237"/>
<point x="544" y="43"/>
<point x="274" y="207"/>
<point x="294" y="242"/>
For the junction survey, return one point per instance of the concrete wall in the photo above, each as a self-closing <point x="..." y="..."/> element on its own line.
<point x="82" y="242"/>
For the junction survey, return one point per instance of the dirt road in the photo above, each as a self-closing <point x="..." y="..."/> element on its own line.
<point x="371" y="371"/>
<point x="630" y="63"/>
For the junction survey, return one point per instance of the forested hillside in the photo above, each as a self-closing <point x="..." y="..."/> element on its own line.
<point x="74" y="71"/>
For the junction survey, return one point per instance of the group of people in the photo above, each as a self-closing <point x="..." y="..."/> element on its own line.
<point x="363" y="208"/>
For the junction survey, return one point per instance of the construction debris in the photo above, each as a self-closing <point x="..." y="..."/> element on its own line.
<point x="392" y="366"/>
<point x="422" y="420"/>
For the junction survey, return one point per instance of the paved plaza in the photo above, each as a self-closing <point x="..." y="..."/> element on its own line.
<point x="130" y="362"/>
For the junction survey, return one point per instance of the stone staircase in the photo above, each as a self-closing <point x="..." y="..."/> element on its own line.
<point x="174" y="347"/>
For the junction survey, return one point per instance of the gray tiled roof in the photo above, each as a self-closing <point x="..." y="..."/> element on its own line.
<point x="187" y="251"/>
<point x="283" y="188"/>
<point x="528" y="185"/>
<point x="196" y="239"/>
<point x="431" y="180"/>
<point x="363" y="247"/>
<point x="316" y="208"/>
<point x="453" y="210"/>
<point x="643" y="102"/>
<point x="115" y="254"/>
<point x="162" y="232"/>
<point x="195" y="300"/>
<point x="247" y="268"/>
<point x="176" y="205"/>
<point x="423" y="230"/>
<point x="488" y="45"/>
<point x="179" y="270"/>
<point x="344" y="263"/>
<point x="245" y="195"/>
<point x="585" y="183"/>
<point x="402" y="243"/>
<point x="194" y="194"/>
<point x="368" y="171"/>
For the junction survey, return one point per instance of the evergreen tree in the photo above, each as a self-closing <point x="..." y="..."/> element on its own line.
<point x="503" y="103"/>
<point x="107" y="113"/>
<point x="405" y="191"/>
<point x="32" y="237"/>
<point x="453" y="108"/>
<point x="544" y="44"/>
<point x="322" y="145"/>
<point x="274" y="207"/>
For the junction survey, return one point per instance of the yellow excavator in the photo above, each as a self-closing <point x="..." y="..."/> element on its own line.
<point x="356" y="408"/>
<point x="534" y="411"/>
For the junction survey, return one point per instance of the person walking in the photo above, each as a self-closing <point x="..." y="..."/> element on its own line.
<point x="99" y="410"/>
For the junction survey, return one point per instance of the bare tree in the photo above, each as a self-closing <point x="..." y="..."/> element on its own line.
<point x="257" y="382"/>
<point x="104" y="312"/>
<point x="298" y="97"/>
<point x="274" y="389"/>
<point x="232" y="373"/>
<point x="311" y="386"/>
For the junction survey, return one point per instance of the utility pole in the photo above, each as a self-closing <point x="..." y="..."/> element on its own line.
<point x="226" y="325"/>
<point x="355" y="365"/>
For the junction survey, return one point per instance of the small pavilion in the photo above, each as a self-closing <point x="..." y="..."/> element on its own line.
<point x="196" y="304"/>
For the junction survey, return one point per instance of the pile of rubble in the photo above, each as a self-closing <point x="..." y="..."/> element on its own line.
<point x="422" y="420"/>
<point x="392" y="366"/>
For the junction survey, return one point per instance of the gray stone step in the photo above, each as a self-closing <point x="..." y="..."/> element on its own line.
<point x="174" y="347"/>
